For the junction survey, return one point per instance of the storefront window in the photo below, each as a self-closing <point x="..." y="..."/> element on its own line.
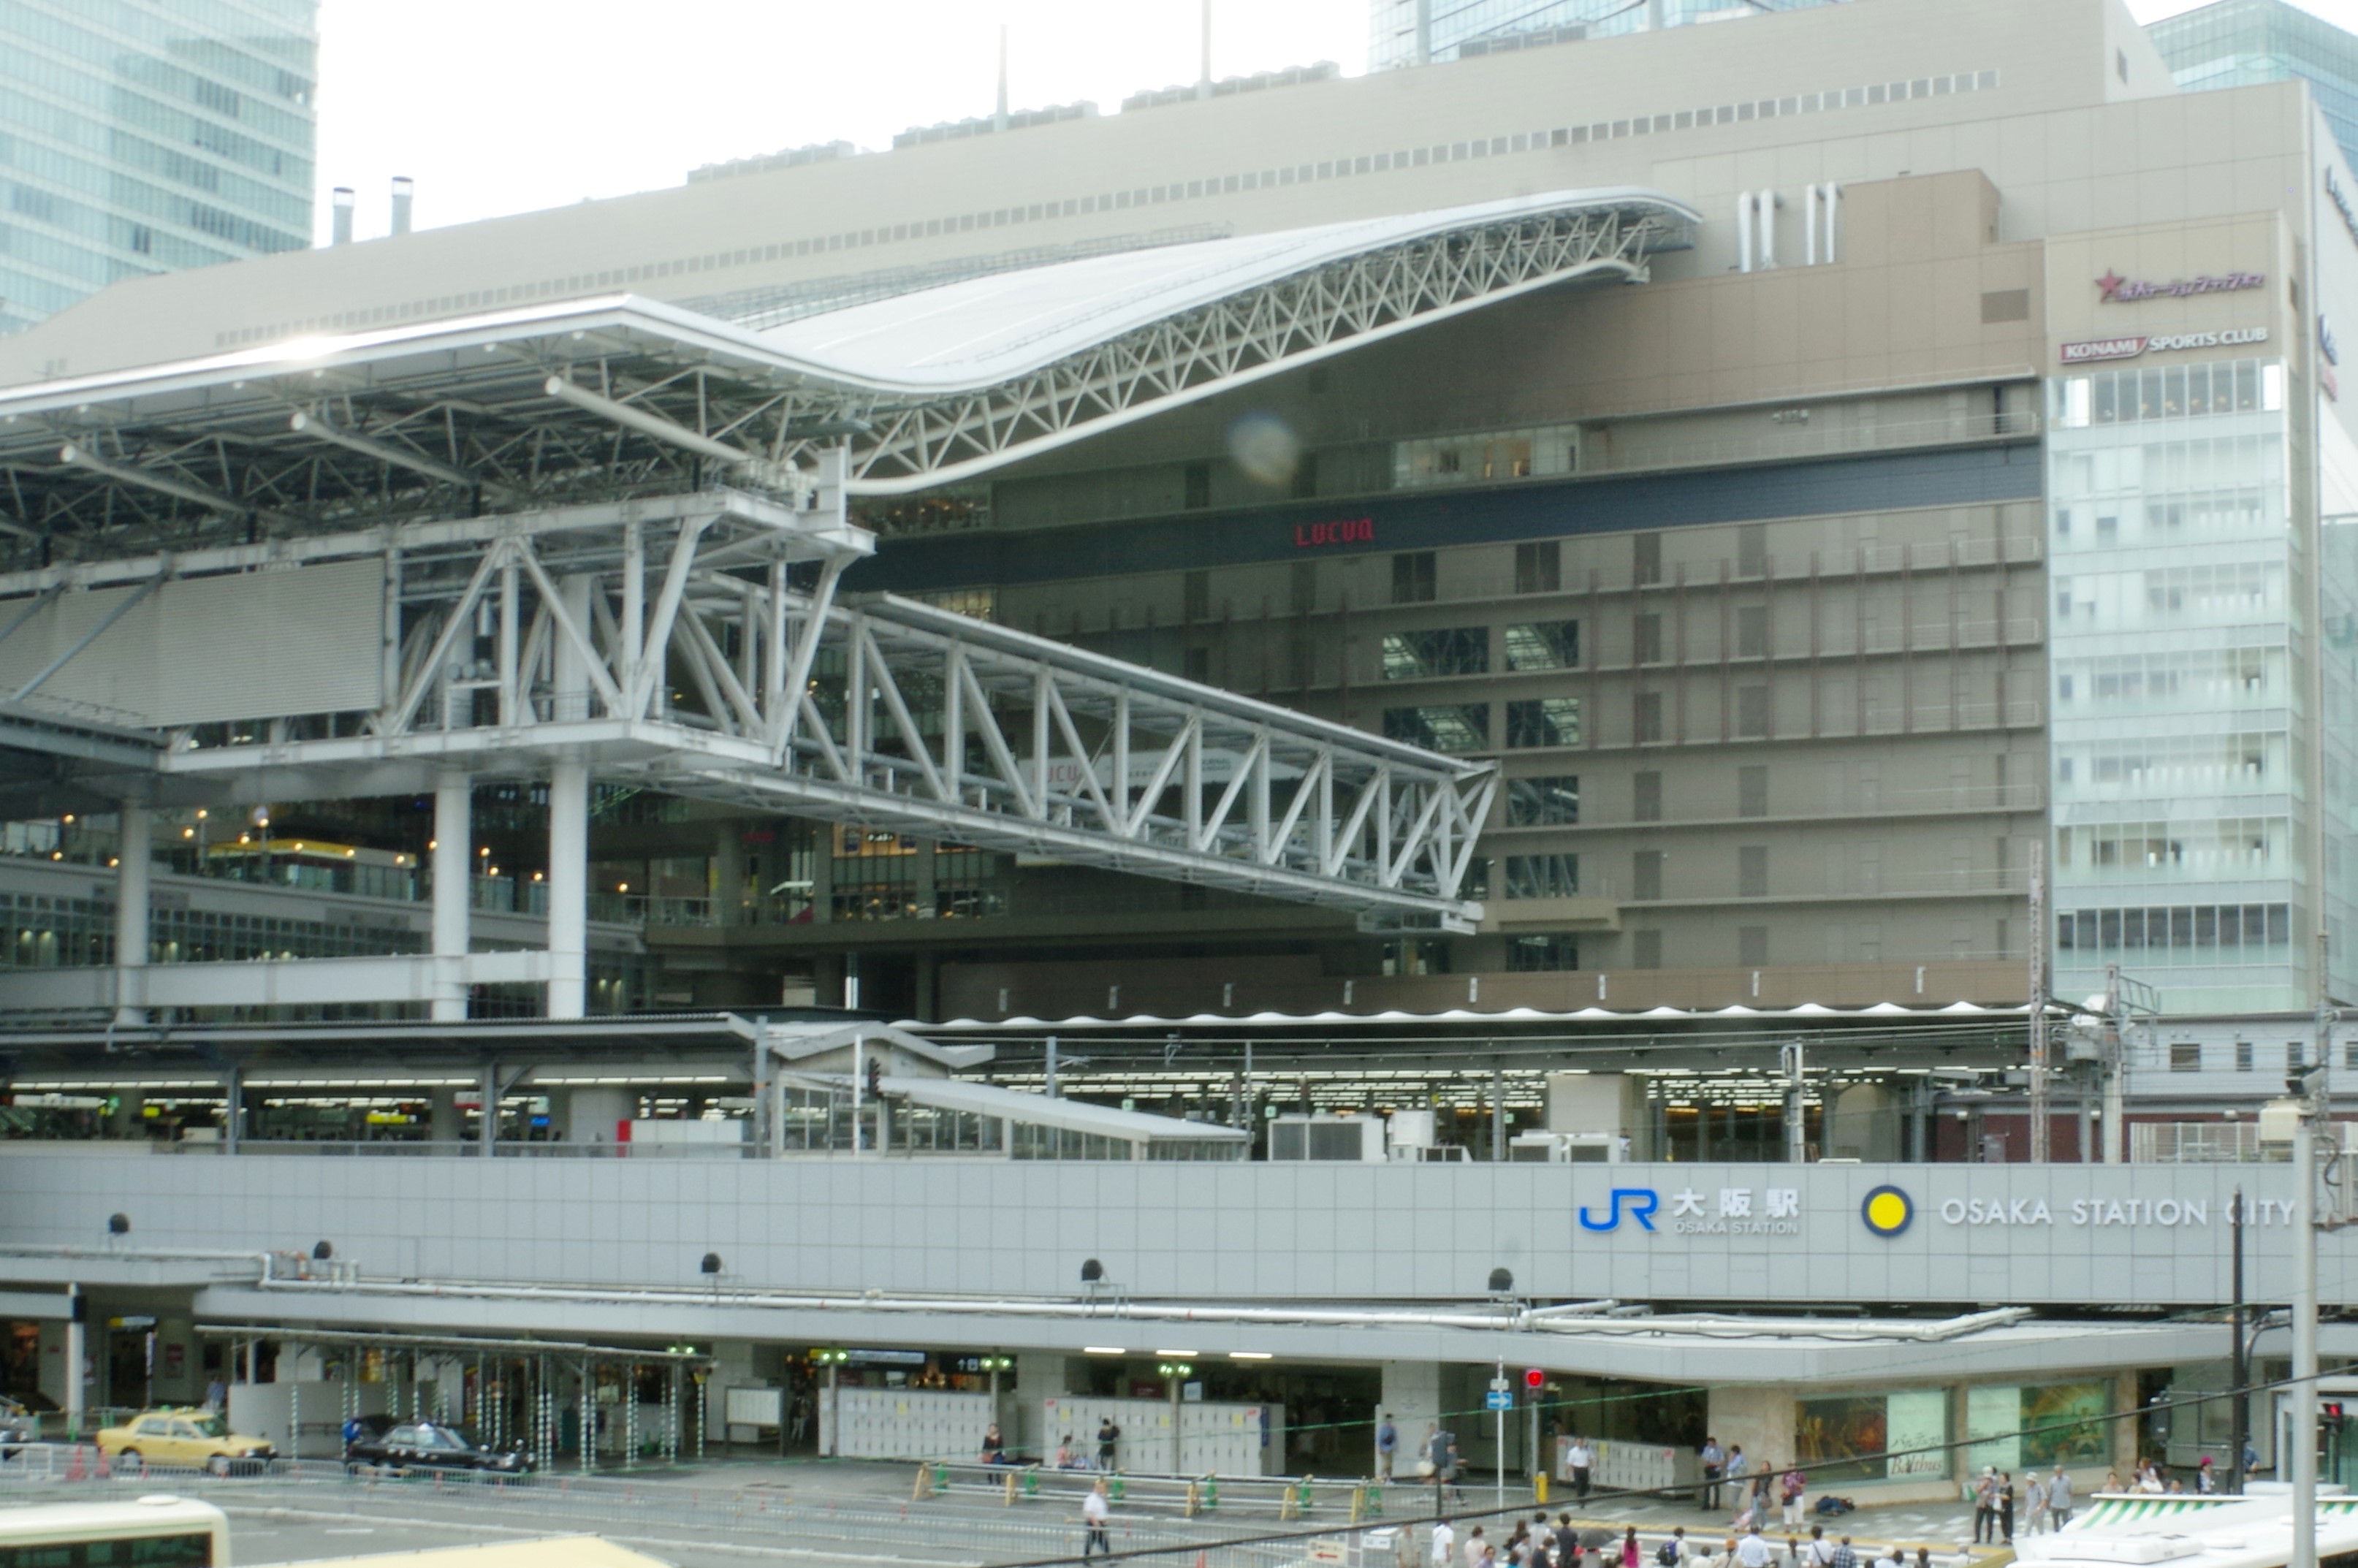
<point x="1874" y="1437"/>
<point x="2037" y="1426"/>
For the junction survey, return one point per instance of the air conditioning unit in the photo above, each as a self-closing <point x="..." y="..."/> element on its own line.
<point x="1326" y="1138"/>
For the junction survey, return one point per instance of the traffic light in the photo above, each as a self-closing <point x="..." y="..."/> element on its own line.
<point x="1534" y="1378"/>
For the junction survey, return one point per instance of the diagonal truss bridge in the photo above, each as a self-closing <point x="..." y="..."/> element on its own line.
<point x="695" y="644"/>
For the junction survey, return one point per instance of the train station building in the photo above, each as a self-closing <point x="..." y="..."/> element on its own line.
<point x="1647" y="664"/>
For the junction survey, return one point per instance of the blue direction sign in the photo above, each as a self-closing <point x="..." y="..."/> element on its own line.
<point x="1501" y="1399"/>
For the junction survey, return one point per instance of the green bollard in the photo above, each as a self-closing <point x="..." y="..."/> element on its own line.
<point x="1114" y="1487"/>
<point x="1211" y="1493"/>
<point x="1031" y="1483"/>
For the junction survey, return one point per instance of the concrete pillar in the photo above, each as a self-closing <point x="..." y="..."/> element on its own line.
<point x="487" y="1125"/>
<point x="442" y="1124"/>
<point x="130" y="902"/>
<point x="454" y="871"/>
<point x="233" y="1109"/>
<point x="568" y="889"/>
<point x="1040" y="1376"/>
<point x="1412" y="1397"/>
<point x="591" y="1113"/>
<point x="129" y="1119"/>
<point x="1760" y="1420"/>
<point x="732" y="1367"/>
<point x="728" y="875"/>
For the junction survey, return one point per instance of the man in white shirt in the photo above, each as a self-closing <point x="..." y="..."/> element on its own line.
<point x="1095" y="1512"/>
<point x="1752" y="1552"/>
<point x="1887" y="1558"/>
<point x="1580" y="1458"/>
<point x="1445" y="1543"/>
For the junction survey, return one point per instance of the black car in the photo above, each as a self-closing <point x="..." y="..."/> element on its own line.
<point x="426" y="1445"/>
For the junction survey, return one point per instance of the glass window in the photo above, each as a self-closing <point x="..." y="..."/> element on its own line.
<point x="1544" y="722"/>
<point x="1543" y="876"/>
<point x="1544" y="801"/>
<point x="1543" y="645"/>
<point x="1441" y="727"/>
<point x="1542" y="953"/>
<point x="1441" y="651"/>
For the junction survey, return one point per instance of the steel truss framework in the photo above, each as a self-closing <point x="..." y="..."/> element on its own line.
<point x="696" y="644"/>
<point x="617" y="397"/>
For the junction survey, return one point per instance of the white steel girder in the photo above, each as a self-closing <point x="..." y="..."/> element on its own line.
<point x="695" y="644"/>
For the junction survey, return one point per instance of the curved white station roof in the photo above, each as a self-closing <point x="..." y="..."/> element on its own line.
<point x="974" y="334"/>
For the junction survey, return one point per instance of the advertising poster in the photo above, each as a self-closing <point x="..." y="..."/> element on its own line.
<point x="1916" y="1427"/>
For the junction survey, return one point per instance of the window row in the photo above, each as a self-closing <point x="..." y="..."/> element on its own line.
<point x="1438" y="652"/>
<point x="1465" y="726"/>
<point x="2223" y="934"/>
<point x="2232" y="675"/>
<point x="2228" y="592"/>
<point x="2235" y="846"/>
<point x="2173" y="765"/>
<point x="2167" y="391"/>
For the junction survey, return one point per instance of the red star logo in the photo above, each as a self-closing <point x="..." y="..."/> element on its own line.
<point x="2111" y="284"/>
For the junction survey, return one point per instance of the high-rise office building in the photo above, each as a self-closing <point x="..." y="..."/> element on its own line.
<point x="147" y="135"/>
<point x="1425" y="32"/>
<point x="2236" y="43"/>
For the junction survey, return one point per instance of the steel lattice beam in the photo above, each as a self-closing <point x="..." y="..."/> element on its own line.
<point x="696" y="646"/>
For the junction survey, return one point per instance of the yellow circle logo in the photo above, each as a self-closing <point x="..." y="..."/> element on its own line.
<point x="1887" y="1211"/>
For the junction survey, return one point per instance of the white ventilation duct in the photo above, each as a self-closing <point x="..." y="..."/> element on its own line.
<point x="343" y="215"/>
<point x="403" y="191"/>
<point x="1745" y="203"/>
<point x="1767" y="207"/>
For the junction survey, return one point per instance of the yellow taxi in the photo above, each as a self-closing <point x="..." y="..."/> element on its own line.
<point x="182" y="1437"/>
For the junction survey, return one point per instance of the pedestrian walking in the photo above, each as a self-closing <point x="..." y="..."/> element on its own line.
<point x="2006" y="1506"/>
<point x="1567" y="1542"/>
<point x="1095" y="1513"/>
<point x="1580" y="1458"/>
<point x="1386" y="1446"/>
<point x="1986" y="1506"/>
<point x="1632" y="1554"/>
<point x="1109" y="1442"/>
<point x="2059" y="1496"/>
<point x="2206" y="1479"/>
<point x="1822" y="1550"/>
<point x="1844" y="1556"/>
<point x="1751" y="1552"/>
<point x="1735" y="1473"/>
<point x="1715" y="1464"/>
<point x="2034" y="1504"/>
<point x="1477" y="1548"/>
<point x="1444" y="1546"/>
<point x="1790" y="1489"/>
<point x="1673" y="1550"/>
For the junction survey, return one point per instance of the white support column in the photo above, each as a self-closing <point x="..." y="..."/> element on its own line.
<point x="568" y="889"/>
<point x="454" y="871"/>
<point x="77" y="1351"/>
<point x="1745" y="202"/>
<point x="131" y="906"/>
<point x="1768" y="205"/>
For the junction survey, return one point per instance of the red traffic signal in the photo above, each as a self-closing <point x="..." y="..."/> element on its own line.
<point x="1534" y="1378"/>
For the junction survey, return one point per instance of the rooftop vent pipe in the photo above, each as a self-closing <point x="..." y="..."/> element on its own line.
<point x="403" y="189"/>
<point x="343" y="203"/>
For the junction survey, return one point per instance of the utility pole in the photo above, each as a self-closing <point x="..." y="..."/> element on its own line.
<point x="1204" y="76"/>
<point x="1797" y="1129"/>
<point x="2041" y="1151"/>
<point x="2239" y="1374"/>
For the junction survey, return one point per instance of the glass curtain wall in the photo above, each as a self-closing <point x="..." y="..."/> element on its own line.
<point x="2180" y="713"/>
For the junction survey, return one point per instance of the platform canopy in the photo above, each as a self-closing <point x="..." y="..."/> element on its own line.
<point x="614" y="397"/>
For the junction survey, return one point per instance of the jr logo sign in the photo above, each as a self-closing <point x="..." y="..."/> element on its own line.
<point x="1640" y="1203"/>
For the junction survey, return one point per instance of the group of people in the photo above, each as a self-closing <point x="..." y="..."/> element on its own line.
<point x="1069" y="1457"/>
<point x="1726" y="1470"/>
<point x="1535" y="1543"/>
<point x="2046" y="1504"/>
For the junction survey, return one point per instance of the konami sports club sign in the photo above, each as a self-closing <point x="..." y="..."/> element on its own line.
<point x="2132" y="347"/>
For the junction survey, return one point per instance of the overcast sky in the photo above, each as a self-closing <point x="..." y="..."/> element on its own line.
<point x="498" y="106"/>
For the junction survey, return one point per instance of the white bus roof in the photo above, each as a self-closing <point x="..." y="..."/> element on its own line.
<point x="159" y="1512"/>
